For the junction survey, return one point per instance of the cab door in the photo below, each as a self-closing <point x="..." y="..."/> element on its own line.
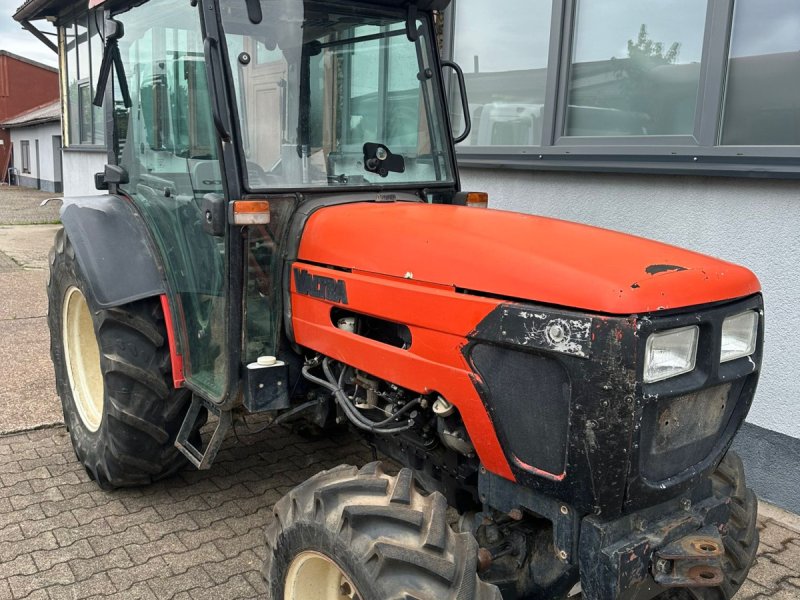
<point x="168" y="146"/>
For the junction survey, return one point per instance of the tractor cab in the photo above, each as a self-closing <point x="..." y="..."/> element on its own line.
<point x="308" y="99"/>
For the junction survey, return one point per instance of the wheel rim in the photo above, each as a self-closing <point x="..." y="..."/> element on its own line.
<point x="314" y="576"/>
<point x="82" y="356"/>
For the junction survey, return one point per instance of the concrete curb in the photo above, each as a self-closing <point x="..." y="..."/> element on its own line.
<point x="50" y="425"/>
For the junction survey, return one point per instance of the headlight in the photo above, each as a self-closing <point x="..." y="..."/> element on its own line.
<point x="739" y="334"/>
<point x="670" y="353"/>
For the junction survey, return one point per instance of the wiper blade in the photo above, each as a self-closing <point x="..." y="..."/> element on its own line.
<point x="111" y="57"/>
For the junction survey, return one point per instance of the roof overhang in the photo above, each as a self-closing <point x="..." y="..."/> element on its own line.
<point x="34" y="10"/>
<point x="30" y="123"/>
<point x="45" y="113"/>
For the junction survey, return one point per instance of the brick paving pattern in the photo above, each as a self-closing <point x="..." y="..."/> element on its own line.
<point x="199" y="534"/>
<point x="196" y="535"/>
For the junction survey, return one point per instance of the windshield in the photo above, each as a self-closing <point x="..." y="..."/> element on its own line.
<point x="332" y="94"/>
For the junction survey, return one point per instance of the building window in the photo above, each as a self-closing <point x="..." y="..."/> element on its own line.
<point x="623" y="81"/>
<point x="25" y="155"/>
<point x="506" y="89"/>
<point x="686" y="86"/>
<point x="762" y="99"/>
<point x="83" y="52"/>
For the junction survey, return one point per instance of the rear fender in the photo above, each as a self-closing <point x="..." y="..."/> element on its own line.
<point x="113" y="248"/>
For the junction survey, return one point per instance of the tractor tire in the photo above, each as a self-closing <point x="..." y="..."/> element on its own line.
<point x="113" y="374"/>
<point x="349" y="533"/>
<point x="740" y="536"/>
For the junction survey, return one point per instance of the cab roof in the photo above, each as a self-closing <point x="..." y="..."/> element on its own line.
<point x="32" y="10"/>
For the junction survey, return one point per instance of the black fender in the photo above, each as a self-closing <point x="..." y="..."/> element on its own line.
<point x="113" y="248"/>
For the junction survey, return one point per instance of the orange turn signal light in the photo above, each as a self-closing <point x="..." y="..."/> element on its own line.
<point x="478" y="199"/>
<point x="251" y="212"/>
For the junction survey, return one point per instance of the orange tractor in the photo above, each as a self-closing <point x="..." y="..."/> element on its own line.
<point x="283" y="232"/>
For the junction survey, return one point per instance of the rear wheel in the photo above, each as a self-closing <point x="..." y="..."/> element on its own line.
<point x="740" y="534"/>
<point x="113" y="375"/>
<point x="362" y="534"/>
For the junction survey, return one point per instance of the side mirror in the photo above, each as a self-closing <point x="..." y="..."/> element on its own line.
<point x="214" y="215"/>
<point x="462" y="90"/>
<point x="111" y="177"/>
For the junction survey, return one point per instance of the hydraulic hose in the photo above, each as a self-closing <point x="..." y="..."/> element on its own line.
<point x="403" y="410"/>
<point x="329" y="374"/>
<point x="350" y="411"/>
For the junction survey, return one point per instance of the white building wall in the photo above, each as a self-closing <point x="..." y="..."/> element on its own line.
<point x="46" y="169"/>
<point x="752" y="222"/>
<point x="79" y="169"/>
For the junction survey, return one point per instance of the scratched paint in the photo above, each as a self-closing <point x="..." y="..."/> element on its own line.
<point x="558" y="332"/>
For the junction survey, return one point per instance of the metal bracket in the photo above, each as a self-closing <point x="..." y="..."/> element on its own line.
<point x="202" y="460"/>
<point x="505" y="496"/>
<point x="691" y="561"/>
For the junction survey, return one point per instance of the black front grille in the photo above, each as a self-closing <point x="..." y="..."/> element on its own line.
<point x="529" y="398"/>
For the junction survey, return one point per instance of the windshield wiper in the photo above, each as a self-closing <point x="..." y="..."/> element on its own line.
<point x="111" y="56"/>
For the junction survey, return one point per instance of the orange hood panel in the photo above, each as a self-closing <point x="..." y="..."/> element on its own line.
<point x="542" y="260"/>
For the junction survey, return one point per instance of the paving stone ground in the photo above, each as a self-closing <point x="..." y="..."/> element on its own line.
<point x="198" y="535"/>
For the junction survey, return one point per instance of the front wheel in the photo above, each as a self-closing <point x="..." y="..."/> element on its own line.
<point x="361" y="534"/>
<point x="113" y="375"/>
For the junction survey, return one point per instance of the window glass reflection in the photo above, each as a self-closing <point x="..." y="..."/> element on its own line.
<point x="505" y="71"/>
<point x="635" y="67"/>
<point x="762" y="102"/>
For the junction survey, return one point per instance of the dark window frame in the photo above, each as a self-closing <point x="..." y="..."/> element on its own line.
<point x="698" y="154"/>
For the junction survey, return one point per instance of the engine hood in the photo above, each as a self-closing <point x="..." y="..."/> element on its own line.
<point x="512" y="255"/>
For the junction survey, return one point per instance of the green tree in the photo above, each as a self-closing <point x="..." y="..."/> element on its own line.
<point x="645" y="51"/>
<point x="644" y="55"/>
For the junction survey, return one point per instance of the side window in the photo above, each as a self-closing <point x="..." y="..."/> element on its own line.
<point x="169" y="125"/>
